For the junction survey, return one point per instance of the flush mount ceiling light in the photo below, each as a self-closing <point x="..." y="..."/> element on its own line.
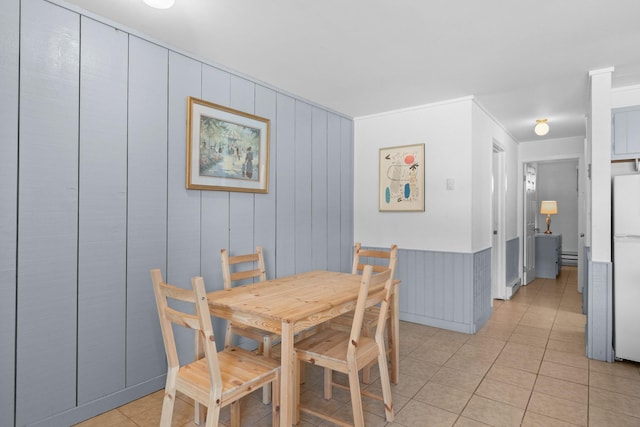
<point x="542" y="128"/>
<point x="159" y="4"/>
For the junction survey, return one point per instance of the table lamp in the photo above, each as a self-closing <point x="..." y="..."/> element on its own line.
<point x="548" y="207"/>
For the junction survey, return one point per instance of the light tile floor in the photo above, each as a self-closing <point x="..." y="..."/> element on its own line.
<point x="525" y="367"/>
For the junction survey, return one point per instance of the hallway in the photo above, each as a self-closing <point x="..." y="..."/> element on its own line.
<point x="526" y="367"/>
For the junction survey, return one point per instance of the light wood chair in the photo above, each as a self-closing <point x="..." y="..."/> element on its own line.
<point x="240" y="269"/>
<point x="215" y="379"/>
<point x="379" y="260"/>
<point x="348" y="352"/>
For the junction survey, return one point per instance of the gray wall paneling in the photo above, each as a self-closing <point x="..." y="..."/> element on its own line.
<point x="102" y="215"/>
<point x="319" y="211"/>
<point x="303" y="187"/>
<point x="346" y="193"/>
<point x="48" y="212"/>
<point x="512" y="261"/>
<point x="599" y="328"/>
<point x="9" y="38"/>
<point x="241" y="205"/>
<point x="102" y="201"/>
<point x="215" y="204"/>
<point x="147" y="206"/>
<point x="285" y="181"/>
<point x="444" y="289"/>
<point x="334" y="221"/>
<point x="241" y="209"/>
<point x="481" y="289"/>
<point x="183" y="206"/>
<point x="265" y="204"/>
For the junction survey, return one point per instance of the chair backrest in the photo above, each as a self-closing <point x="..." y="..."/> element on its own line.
<point x="253" y="267"/>
<point x="199" y="322"/>
<point x="374" y="289"/>
<point x="378" y="259"/>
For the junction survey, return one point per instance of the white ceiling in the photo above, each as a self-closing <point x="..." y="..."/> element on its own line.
<point x="522" y="60"/>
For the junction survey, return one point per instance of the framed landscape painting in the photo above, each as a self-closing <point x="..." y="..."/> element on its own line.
<point x="401" y="172"/>
<point x="227" y="149"/>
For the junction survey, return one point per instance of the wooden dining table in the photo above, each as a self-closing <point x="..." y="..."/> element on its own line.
<point x="289" y="305"/>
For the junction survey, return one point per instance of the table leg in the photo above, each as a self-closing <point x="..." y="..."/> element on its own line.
<point x="287" y="385"/>
<point x="395" y="335"/>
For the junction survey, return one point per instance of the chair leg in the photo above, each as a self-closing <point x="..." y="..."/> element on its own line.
<point x="275" y="401"/>
<point x="168" y="401"/>
<point x="198" y="413"/>
<point x="328" y="383"/>
<point x="296" y="393"/>
<point x="393" y="351"/>
<point x="266" y="389"/>
<point x="366" y="371"/>
<point x="356" y="398"/>
<point x="385" y="383"/>
<point x="234" y="407"/>
<point x="213" y="413"/>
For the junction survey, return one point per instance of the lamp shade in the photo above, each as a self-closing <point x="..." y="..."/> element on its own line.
<point x="541" y="128"/>
<point x="549" y="207"/>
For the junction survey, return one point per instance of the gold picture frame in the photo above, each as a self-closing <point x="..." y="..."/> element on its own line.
<point x="227" y="149"/>
<point x="401" y="179"/>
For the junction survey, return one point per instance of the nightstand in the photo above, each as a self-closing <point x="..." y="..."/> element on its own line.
<point x="548" y="255"/>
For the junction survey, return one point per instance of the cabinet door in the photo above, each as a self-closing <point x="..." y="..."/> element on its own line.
<point x="626" y="133"/>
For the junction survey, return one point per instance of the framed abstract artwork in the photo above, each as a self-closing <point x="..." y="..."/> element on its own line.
<point x="401" y="172"/>
<point x="227" y="149"/>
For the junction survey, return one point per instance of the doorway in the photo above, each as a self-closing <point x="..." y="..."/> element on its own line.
<point x="559" y="180"/>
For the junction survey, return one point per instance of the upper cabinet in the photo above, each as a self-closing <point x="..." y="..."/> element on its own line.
<point x="625" y="133"/>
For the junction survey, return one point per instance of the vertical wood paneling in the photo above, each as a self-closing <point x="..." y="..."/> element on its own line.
<point x="411" y="282"/>
<point x="285" y="180"/>
<point x="450" y="275"/>
<point x="241" y="208"/>
<point x="446" y="290"/>
<point x="346" y="192"/>
<point x="102" y="201"/>
<point x="265" y="204"/>
<point x="599" y="331"/>
<point x="334" y="154"/>
<point x="102" y="215"/>
<point x="216" y="88"/>
<point x="9" y="54"/>
<point x="183" y="206"/>
<point x="147" y="206"/>
<point x="319" y="207"/>
<point x="48" y="212"/>
<point x="215" y="204"/>
<point x="461" y="304"/>
<point x="512" y="260"/>
<point x="303" y="187"/>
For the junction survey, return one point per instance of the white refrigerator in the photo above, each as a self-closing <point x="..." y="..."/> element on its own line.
<point x="626" y="266"/>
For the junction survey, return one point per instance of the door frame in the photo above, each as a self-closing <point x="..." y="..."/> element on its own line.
<point x="582" y="183"/>
<point x="499" y="191"/>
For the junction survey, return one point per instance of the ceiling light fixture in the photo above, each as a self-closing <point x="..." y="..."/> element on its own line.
<point x="542" y="128"/>
<point x="159" y="4"/>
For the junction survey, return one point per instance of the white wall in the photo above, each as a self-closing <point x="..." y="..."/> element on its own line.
<point x="458" y="137"/>
<point x="445" y="129"/>
<point x="486" y="133"/>
<point x="547" y="150"/>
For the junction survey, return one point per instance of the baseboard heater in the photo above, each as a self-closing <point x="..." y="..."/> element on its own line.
<point x="569" y="258"/>
<point x="514" y="285"/>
